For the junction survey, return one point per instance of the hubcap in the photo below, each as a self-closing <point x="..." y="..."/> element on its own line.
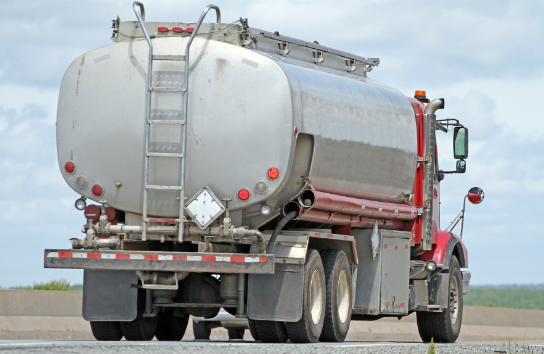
<point x="342" y="296"/>
<point x="454" y="299"/>
<point x="316" y="297"/>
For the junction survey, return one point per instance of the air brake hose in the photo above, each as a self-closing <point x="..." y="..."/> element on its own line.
<point x="279" y="227"/>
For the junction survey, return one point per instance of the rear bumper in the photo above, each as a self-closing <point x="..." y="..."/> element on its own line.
<point x="161" y="261"/>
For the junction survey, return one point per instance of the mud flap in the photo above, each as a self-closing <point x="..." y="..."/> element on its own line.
<point x="278" y="296"/>
<point x="109" y="295"/>
<point x="439" y="287"/>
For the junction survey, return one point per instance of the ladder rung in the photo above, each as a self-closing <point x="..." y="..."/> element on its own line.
<point x="164" y="121"/>
<point x="151" y="186"/>
<point x="167" y="89"/>
<point x="161" y="220"/>
<point x="169" y="57"/>
<point x="164" y="154"/>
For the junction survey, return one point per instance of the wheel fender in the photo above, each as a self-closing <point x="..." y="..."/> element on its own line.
<point x="447" y="244"/>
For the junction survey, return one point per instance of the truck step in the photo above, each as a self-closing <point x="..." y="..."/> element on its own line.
<point x="163" y="121"/>
<point x="167" y="89"/>
<point x="169" y="57"/>
<point x="152" y="186"/>
<point x="164" y="154"/>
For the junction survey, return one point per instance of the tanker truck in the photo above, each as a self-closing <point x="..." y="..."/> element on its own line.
<point x="239" y="169"/>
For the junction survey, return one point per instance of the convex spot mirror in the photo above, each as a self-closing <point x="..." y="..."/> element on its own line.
<point x="460" y="143"/>
<point x="475" y="195"/>
<point x="461" y="166"/>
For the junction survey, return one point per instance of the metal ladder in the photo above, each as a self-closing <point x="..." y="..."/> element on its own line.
<point x="140" y="14"/>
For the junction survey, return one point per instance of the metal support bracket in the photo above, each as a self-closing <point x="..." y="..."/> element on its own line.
<point x="318" y="56"/>
<point x="350" y="65"/>
<point x="283" y="48"/>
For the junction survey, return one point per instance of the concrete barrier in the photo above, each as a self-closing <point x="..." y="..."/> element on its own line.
<point x="41" y="314"/>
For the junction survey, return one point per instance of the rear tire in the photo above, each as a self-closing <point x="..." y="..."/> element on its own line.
<point x="236" y="333"/>
<point x="308" y="328"/>
<point x="253" y="329"/>
<point x="339" y="296"/>
<point x="445" y="326"/>
<point x="141" y="328"/>
<point x="171" y="327"/>
<point x="201" y="330"/>
<point x="106" y="330"/>
<point x="271" y="331"/>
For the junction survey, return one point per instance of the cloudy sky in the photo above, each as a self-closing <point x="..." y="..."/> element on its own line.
<point x="486" y="58"/>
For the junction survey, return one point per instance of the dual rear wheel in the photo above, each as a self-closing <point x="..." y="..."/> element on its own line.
<point x="326" y="307"/>
<point x="165" y="327"/>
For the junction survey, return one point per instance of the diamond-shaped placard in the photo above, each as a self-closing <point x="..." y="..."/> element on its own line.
<point x="204" y="207"/>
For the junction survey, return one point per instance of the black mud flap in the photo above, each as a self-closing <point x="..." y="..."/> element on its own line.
<point x="278" y="296"/>
<point x="109" y="295"/>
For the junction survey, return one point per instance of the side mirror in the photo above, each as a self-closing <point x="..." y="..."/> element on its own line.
<point x="461" y="166"/>
<point x="460" y="143"/>
<point x="475" y="195"/>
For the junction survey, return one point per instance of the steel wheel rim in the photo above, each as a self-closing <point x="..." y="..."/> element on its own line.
<point x="316" y="296"/>
<point x="454" y="299"/>
<point x="342" y="296"/>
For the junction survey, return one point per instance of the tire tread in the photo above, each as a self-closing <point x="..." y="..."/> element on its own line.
<point x="106" y="331"/>
<point x="330" y="332"/>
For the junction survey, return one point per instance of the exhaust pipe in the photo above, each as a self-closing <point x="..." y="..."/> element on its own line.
<point x="434" y="105"/>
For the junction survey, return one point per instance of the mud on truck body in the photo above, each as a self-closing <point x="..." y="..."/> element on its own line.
<point x="241" y="169"/>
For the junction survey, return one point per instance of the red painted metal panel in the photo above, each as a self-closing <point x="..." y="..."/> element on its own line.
<point x="438" y="251"/>
<point x="354" y="206"/>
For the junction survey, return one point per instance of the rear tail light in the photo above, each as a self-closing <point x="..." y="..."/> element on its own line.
<point x="177" y="29"/>
<point x="273" y="173"/>
<point x="260" y="187"/>
<point x="190" y="30"/>
<point x="243" y="194"/>
<point x="98" y="190"/>
<point x="81" y="182"/>
<point x="163" y="29"/>
<point x="70" y="167"/>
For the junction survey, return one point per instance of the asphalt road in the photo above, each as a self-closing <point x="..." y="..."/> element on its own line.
<point x="246" y="347"/>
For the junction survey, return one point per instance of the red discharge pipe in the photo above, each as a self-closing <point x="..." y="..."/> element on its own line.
<point x="311" y="199"/>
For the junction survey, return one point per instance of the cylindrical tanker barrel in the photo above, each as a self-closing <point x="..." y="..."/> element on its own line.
<point x="249" y="114"/>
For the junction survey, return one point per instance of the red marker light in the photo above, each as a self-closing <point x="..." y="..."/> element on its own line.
<point x="70" y="167"/>
<point x="273" y="173"/>
<point x="243" y="194"/>
<point x="98" y="190"/>
<point x="190" y="30"/>
<point x="163" y="29"/>
<point x="177" y="29"/>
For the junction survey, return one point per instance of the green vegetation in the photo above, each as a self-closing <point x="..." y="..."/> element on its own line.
<point x="59" y="285"/>
<point x="509" y="296"/>
<point x="431" y="347"/>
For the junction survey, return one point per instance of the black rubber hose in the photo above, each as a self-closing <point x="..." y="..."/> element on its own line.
<point x="278" y="228"/>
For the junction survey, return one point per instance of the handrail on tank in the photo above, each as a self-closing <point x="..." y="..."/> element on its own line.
<point x="140" y="15"/>
<point x="186" y="98"/>
<point x="204" y="13"/>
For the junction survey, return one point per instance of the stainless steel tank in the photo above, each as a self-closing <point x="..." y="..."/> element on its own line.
<point x="250" y="109"/>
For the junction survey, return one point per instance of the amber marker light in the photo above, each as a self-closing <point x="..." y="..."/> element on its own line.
<point x="273" y="173"/>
